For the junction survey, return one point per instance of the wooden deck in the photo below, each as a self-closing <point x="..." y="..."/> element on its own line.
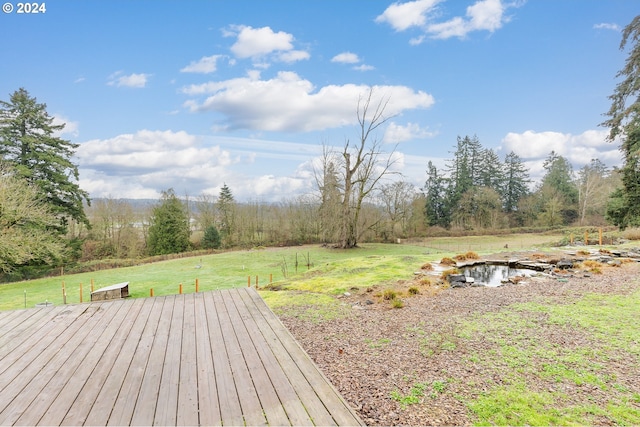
<point x="211" y="358"/>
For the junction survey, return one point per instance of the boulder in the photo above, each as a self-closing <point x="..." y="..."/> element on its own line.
<point x="564" y="264"/>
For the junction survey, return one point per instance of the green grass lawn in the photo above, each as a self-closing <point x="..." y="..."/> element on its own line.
<point x="229" y="270"/>
<point x="330" y="271"/>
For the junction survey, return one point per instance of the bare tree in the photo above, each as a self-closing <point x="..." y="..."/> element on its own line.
<point x="359" y="167"/>
<point x="397" y="201"/>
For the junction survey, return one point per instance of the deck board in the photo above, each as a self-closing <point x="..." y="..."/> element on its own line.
<point x="212" y="358"/>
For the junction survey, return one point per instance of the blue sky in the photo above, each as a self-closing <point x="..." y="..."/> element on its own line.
<point x="194" y="94"/>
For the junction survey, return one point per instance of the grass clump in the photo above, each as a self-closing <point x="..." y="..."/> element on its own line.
<point x="445" y="274"/>
<point x="389" y="295"/>
<point x="471" y="255"/>
<point x="447" y="261"/>
<point x="413" y="290"/>
<point x="427" y="266"/>
<point x="592" y="266"/>
<point x="397" y="303"/>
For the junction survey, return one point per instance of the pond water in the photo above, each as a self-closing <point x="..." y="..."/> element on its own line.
<point x="494" y="274"/>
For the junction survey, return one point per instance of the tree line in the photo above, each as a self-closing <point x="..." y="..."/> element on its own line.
<point x="477" y="190"/>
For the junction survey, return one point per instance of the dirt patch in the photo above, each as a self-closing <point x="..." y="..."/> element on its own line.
<point x="410" y="366"/>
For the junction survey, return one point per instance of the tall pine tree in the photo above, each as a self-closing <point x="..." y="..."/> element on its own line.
<point x="624" y="122"/>
<point x="28" y="143"/>
<point x="516" y="180"/>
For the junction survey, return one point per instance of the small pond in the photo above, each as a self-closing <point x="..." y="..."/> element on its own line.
<point x="494" y="274"/>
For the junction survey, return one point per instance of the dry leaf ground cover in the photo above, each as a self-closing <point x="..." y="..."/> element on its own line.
<point x="546" y="351"/>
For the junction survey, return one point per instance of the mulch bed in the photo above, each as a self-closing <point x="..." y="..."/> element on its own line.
<point x="377" y="350"/>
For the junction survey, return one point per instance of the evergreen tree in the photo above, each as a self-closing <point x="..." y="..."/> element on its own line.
<point x="624" y="122"/>
<point x="516" y="180"/>
<point x="226" y="207"/>
<point x="211" y="238"/>
<point x="435" y="191"/>
<point x="464" y="168"/>
<point x="490" y="172"/>
<point x="169" y="229"/>
<point x="28" y="144"/>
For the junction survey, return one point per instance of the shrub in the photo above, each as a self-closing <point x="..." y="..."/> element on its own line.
<point x="414" y="291"/>
<point x="631" y="233"/>
<point x="460" y="257"/>
<point x="397" y="303"/>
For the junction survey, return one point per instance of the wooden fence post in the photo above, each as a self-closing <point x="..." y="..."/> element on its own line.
<point x="256" y="282"/>
<point x="248" y="281"/>
<point x="150" y="292"/>
<point x="180" y="289"/>
<point x="80" y="292"/>
<point x="197" y="285"/>
<point x="600" y="236"/>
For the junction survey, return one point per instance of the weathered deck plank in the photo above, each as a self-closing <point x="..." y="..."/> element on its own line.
<point x="208" y="402"/>
<point x="147" y="399"/>
<point x="188" y="386"/>
<point x="78" y="412"/>
<point x="272" y="407"/>
<point x="130" y="389"/>
<point x="58" y="408"/>
<point x="228" y="397"/>
<point x="104" y="404"/>
<point x="61" y="370"/>
<point x="213" y="358"/>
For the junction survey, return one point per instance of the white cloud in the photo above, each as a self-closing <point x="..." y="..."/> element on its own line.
<point x="364" y="67"/>
<point x="351" y="58"/>
<point x="146" y="162"/>
<point x="131" y="80"/>
<point x="483" y="15"/>
<point x="607" y="26"/>
<point x="143" y="164"/>
<point x="397" y="133"/>
<point x="402" y="16"/>
<point x="258" y="42"/>
<point x="534" y="147"/>
<point x="205" y="65"/>
<point x="346" y="58"/>
<point x="70" y="127"/>
<point x="293" y="56"/>
<point x="290" y="103"/>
